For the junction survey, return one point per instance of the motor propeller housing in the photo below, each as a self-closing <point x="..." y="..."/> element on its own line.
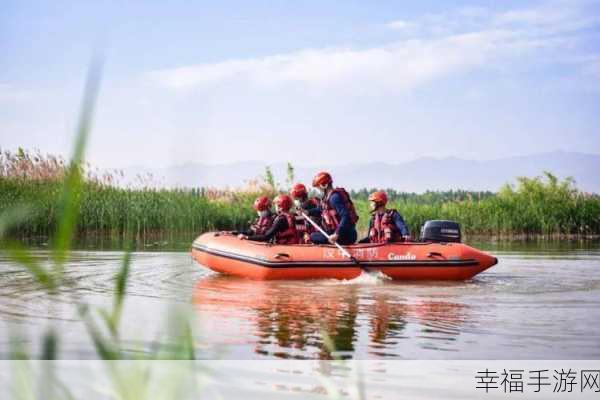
<point x="441" y="231"/>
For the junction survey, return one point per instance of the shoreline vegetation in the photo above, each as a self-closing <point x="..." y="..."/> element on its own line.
<point x="542" y="207"/>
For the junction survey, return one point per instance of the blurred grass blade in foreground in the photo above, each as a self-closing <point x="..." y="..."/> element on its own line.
<point x="70" y="198"/>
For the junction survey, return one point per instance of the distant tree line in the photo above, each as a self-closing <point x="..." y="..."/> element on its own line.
<point x="428" y="197"/>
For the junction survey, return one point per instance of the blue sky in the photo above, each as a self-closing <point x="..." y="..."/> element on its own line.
<point x="309" y="82"/>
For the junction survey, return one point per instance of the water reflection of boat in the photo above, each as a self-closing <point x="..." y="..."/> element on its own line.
<point x="292" y="319"/>
<point x="435" y="323"/>
<point x="227" y="254"/>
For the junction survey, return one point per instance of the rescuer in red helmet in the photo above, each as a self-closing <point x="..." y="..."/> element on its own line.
<point x="338" y="214"/>
<point x="308" y="206"/>
<point x="265" y="218"/>
<point x="386" y="225"/>
<point x="283" y="229"/>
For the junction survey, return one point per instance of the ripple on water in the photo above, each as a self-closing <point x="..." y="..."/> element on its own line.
<point x="527" y="306"/>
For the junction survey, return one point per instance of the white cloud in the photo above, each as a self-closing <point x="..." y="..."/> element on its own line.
<point x="548" y="19"/>
<point x="474" y="12"/>
<point x="401" y="25"/>
<point x="535" y="16"/>
<point x="446" y="44"/>
<point x="544" y="19"/>
<point x="399" y="65"/>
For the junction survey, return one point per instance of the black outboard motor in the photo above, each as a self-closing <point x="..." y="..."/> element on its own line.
<point x="440" y="231"/>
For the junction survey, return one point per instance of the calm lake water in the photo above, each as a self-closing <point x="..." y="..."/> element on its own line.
<point x="542" y="301"/>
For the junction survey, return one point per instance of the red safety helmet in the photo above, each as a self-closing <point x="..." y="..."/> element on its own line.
<point x="322" y="178"/>
<point x="379" y="197"/>
<point x="283" y="201"/>
<point x="262" y="203"/>
<point x="298" y="191"/>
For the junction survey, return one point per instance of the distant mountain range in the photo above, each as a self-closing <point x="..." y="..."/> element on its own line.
<point x="414" y="176"/>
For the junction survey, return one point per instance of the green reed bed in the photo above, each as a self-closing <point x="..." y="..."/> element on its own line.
<point x="541" y="206"/>
<point x="119" y="211"/>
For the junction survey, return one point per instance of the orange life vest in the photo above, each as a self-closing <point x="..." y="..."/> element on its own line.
<point x="331" y="218"/>
<point x="290" y="235"/>
<point x="383" y="229"/>
<point x="262" y="224"/>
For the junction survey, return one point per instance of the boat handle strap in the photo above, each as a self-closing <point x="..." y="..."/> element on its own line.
<point x="434" y="253"/>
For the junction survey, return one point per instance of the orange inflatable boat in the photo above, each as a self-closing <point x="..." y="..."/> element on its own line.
<point x="225" y="253"/>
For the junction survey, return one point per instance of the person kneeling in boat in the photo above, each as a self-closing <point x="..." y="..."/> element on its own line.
<point x="283" y="229"/>
<point x="308" y="206"/>
<point x="386" y="225"/>
<point x="337" y="211"/>
<point x="261" y="225"/>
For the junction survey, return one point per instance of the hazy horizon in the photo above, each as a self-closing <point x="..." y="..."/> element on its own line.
<point x="66" y="155"/>
<point x="413" y="176"/>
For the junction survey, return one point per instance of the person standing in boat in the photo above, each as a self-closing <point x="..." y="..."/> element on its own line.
<point x="386" y="225"/>
<point x="338" y="214"/>
<point x="283" y="229"/>
<point x="308" y="206"/>
<point x="265" y="218"/>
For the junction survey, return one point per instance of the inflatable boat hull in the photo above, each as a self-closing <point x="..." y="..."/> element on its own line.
<point x="226" y="254"/>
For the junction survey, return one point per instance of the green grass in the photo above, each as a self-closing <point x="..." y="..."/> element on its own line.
<point x="536" y="206"/>
<point x="120" y="212"/>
